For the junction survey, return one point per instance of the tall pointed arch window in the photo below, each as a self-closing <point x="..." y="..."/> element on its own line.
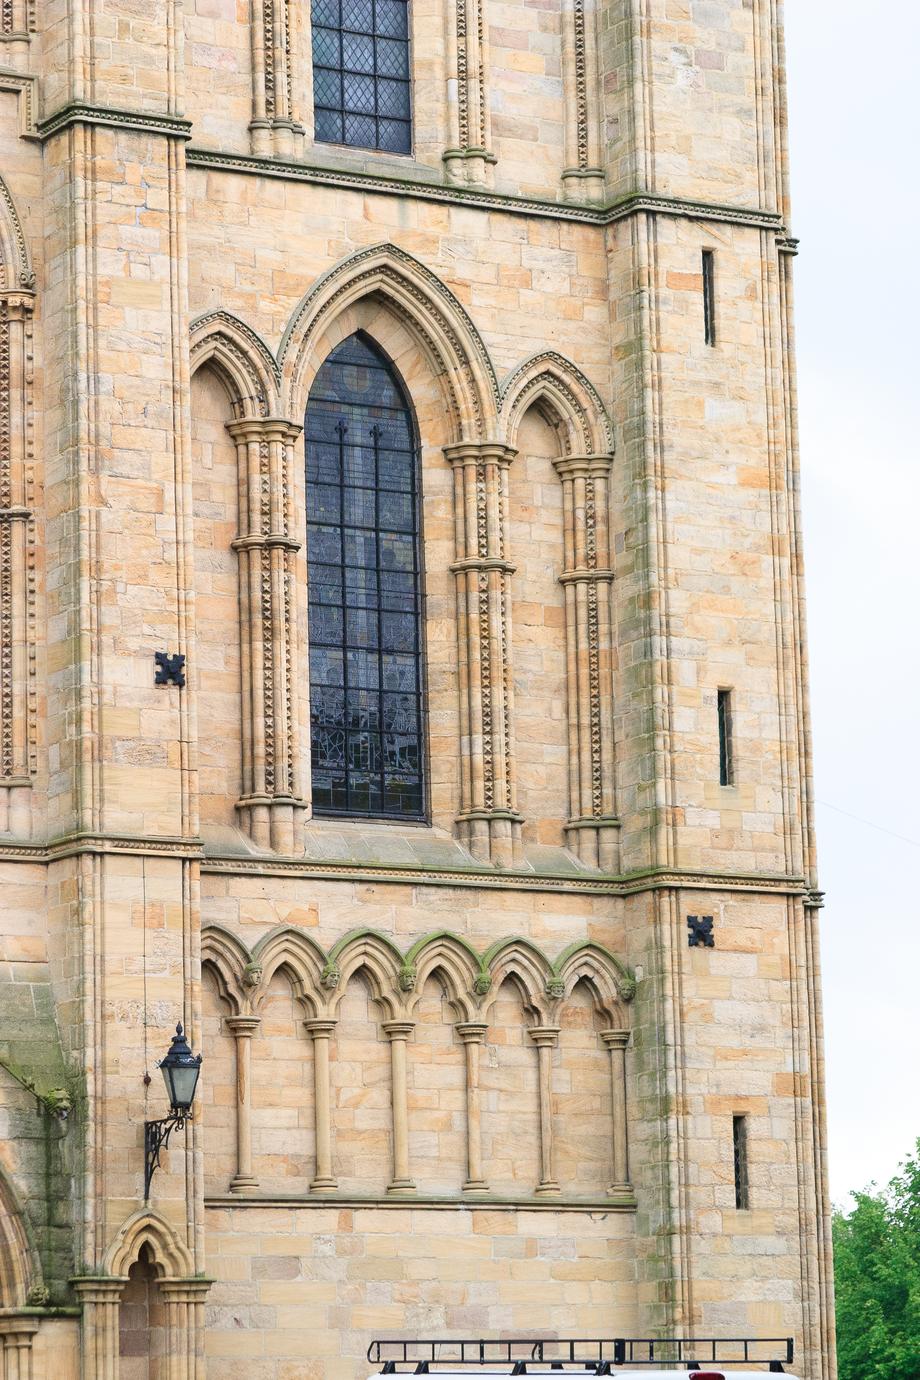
<point x="363" y="555"/>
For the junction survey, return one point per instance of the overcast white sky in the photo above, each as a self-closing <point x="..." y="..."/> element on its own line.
<point x="855" y="136"/>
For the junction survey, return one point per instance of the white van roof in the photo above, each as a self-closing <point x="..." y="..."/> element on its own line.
<point x="678" y="1371"/>
<point x="583" y="1358"/>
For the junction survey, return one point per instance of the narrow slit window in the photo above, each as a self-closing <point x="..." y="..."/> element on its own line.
<point x="709" y="296"/>
<point x="740" y="1151"/>
<point x="726" y="753"/>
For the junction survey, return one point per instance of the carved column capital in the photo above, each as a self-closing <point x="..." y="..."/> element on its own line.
<point x="243" y="1026"/>
<point x="184" y="1290"/>
<point x="281" y="428"/>
<point x="544" y="1035"/>
<point x="19" y="303"/>
<point x="615" y="1039"/>
<point x="398" y="1030"/>
<point x="472" y="1032"/>
<point x="320" y="1029"/>
<point x="573" y="466"/>
<point x="93" y="1289"/>
<point x="478" y="453"/>
<point x="17" y="1330"/>
<point x="264" y="428"/>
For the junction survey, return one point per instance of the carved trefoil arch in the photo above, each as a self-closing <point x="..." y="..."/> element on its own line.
<point x="17" y="526"/>
<point x="272" y="806"/>
<point x="471" y="983"/>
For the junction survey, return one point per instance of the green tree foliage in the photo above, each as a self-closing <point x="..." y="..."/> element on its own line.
<point x="877" y="1271"/>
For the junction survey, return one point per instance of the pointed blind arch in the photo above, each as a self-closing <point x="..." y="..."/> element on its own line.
<point x="363" y="556"/>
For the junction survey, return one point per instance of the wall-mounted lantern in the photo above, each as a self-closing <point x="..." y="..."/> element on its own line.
<point x="180" y="1070"/>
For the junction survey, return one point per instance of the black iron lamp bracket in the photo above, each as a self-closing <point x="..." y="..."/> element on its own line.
<point x="156" y="1140"/>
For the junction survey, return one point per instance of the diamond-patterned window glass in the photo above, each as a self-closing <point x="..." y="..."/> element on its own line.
<point x="361" y="73"/>
<point x="366" y="687"/>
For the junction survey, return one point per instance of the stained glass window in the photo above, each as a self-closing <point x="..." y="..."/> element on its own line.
<point x="366" y="706"/>
<point x="361" y="73"/>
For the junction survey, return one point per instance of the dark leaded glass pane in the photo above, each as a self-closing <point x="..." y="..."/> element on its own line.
<point x="362" y="551"/>
<point x="327" y="88"/>
<point x="326" y="13"/>
<point x="358" y="15"/>
<point x="393" y="136"/>
<point x="357" y="53"/>
<point x="396" y="511"/>
<point x="327" y="50"/>
<point x="392" y="58"/>
<point x="327" y="543"/>
<point x="361" y="86"/>
<point x="328" y="127"/>
<point x="393" y="98"/>
<point x="392" y="19"/>
<point x="359" y="94"/>
<point x="400" y="714"/>
<point x="360" y="130"/>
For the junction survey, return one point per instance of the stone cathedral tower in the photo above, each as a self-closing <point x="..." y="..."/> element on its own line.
<point x="421" y="373"/>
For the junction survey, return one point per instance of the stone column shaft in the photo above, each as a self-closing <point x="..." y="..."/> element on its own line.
<point x="243" y="1028"/>
<point x="488" y="823"/>
<point x="184" y="1300"/>
<point x="592" y="831"/>
<point x="473" y="1035"/>
<point x="17" y="564"/>
<point x="398" y="1033"/>
<point x="582" y="178"/>
<point x="321" y="1033"/>
<point x="469" y="159"/>
<point x="272" y="807"/>
<point x="616" y="1041"/>
<point x="101" y="1299"/>
<point x="546" y="1038"/>
<point x="274" y="127"/>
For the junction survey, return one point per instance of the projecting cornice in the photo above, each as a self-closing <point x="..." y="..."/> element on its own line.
<point x="391" y="185"/>
<point x="109" y="117"/>
<point x="402" y="874"/>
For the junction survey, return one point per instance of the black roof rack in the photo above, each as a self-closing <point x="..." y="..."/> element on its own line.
<point x="417" y="1355"/>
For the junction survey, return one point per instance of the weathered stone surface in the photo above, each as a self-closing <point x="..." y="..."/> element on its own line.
<point x="465" y="1076"/>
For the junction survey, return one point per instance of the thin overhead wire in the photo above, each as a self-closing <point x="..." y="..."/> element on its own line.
<point x="914" y="843"/>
